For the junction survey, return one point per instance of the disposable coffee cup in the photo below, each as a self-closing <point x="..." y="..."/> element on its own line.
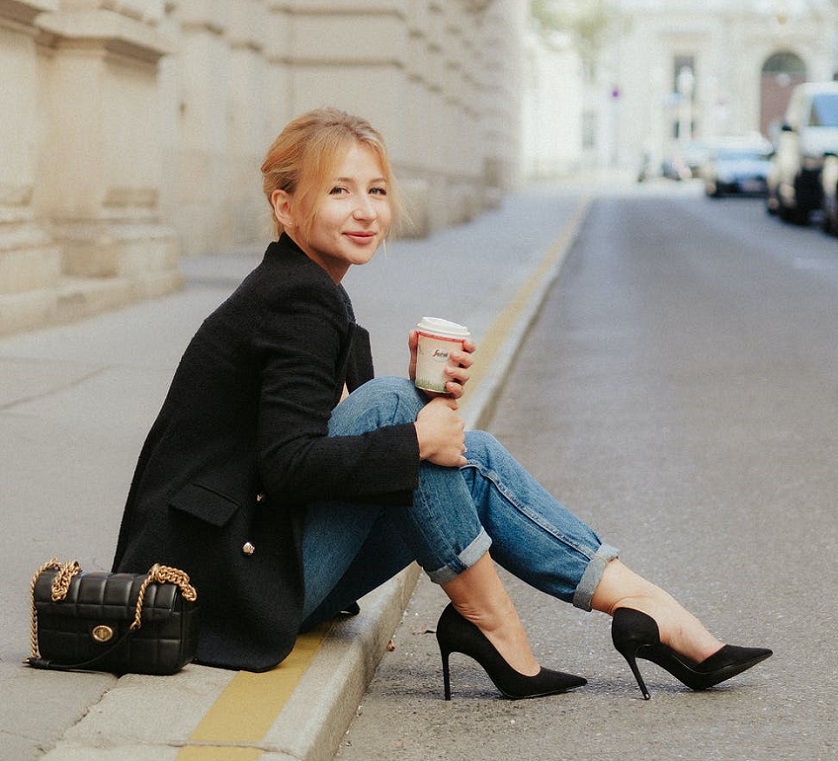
<point x="437" y="339"/>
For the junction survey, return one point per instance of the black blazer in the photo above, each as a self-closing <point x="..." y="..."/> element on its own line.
<point x="240" y="446"/>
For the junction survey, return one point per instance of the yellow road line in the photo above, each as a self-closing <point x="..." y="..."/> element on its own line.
<point x="248" y="706"/>
<point x="238" y="721"/>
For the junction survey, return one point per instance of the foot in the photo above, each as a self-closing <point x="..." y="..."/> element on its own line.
<point x="507" y="635"/>
<point x="480" y="597"/>
<point x="679" y="629"/>
<point x="621" y="587"/>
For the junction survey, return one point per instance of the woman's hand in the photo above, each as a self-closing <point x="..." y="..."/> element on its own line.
<point x="458" y="368"/>
<point x="441" y="433"/>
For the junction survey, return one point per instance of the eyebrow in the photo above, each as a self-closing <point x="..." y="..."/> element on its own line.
<point x="352" y="179"/>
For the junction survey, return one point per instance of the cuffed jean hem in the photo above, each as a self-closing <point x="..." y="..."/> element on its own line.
<point x="465" y="560"/>
<point x="593" y="575"/>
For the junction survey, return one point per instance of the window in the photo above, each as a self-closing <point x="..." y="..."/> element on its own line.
<point x="824" y="110"/>
<point x="785" y="63"/>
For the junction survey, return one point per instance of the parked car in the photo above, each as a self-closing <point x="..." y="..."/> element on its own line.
<point x="809" y="132"/>
<point x="737" y="167"/>
<point x="829" y="199"/>
<point x="670" y="168"/>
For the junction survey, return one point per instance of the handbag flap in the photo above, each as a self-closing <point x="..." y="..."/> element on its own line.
<point x="106" y="596"/>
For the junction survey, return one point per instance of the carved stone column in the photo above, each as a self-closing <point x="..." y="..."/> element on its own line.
<point x="202" y="197"/>
<point x="252" y="96"/>
<point x="100" y="167"/>
<point x="30" y="262"/>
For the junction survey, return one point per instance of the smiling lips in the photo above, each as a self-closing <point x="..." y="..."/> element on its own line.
<point x="360" y="237"/>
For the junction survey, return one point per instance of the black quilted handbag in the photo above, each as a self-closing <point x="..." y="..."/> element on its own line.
<point x="116" y="622"/>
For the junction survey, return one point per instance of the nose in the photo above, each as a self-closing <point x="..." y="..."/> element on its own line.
<point x="365" y="209"/>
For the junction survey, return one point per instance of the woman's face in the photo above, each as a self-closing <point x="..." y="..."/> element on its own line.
<point x="351" y="218"/>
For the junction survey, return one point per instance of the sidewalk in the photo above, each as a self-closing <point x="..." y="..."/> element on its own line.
<point x="75" y="404"/>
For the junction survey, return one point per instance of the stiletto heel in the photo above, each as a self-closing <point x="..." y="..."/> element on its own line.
<point x="636" y="635"/>
<point x="455" y="634"/>
<point x="632" y="662"/>
<point x="446" y="674"/>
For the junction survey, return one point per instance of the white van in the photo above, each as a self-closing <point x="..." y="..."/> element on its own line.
<point x="809" y="132"/>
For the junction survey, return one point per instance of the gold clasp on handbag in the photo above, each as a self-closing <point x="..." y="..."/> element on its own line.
<point x="102" y="633"/>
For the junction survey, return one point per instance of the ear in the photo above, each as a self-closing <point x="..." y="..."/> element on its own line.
<point x="282" y="205"/>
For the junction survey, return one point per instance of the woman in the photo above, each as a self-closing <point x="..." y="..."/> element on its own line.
<point x="289" y="483"/>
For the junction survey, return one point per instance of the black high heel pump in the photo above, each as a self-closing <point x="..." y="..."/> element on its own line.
<point x="456" y="634"/>
<point x="636" y="635"/>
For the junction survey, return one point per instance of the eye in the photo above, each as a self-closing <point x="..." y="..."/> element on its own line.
<point x="338" y="190"/>
<point x="379" y="191"/>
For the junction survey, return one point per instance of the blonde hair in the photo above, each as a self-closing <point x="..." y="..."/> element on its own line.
<point x="304" y="157"/>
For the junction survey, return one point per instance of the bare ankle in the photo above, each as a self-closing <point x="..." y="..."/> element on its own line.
<point x="480" y="597"/>
<point x="503" y="628"/>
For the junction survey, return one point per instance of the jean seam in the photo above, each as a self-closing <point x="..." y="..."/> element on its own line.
<point x="455" y="564"/>
<point x="494" y="478"/>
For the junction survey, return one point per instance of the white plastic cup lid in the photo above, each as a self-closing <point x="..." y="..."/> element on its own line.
<point x="445" y="328"/>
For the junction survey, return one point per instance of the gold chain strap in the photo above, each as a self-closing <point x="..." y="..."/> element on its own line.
<point x="157" y="574"/>
<point x="163" y="574"/>
<point x="61" y="582"/>
<point x="63" y="573"/>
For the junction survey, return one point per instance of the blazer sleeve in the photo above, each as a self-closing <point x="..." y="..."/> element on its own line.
<point x="303" y="347"/>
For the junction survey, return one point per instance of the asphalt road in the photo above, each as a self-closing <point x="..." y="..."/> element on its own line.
<point x="680" y="390"/>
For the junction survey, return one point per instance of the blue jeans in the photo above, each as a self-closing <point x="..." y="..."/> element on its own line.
<point x="457" y="514"/>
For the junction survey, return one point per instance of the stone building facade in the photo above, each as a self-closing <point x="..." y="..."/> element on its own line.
<point x="133" y="130"/>
<point x="675" y="70"/>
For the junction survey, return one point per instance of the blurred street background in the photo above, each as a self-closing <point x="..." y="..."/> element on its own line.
<point x="133" y="132"/>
